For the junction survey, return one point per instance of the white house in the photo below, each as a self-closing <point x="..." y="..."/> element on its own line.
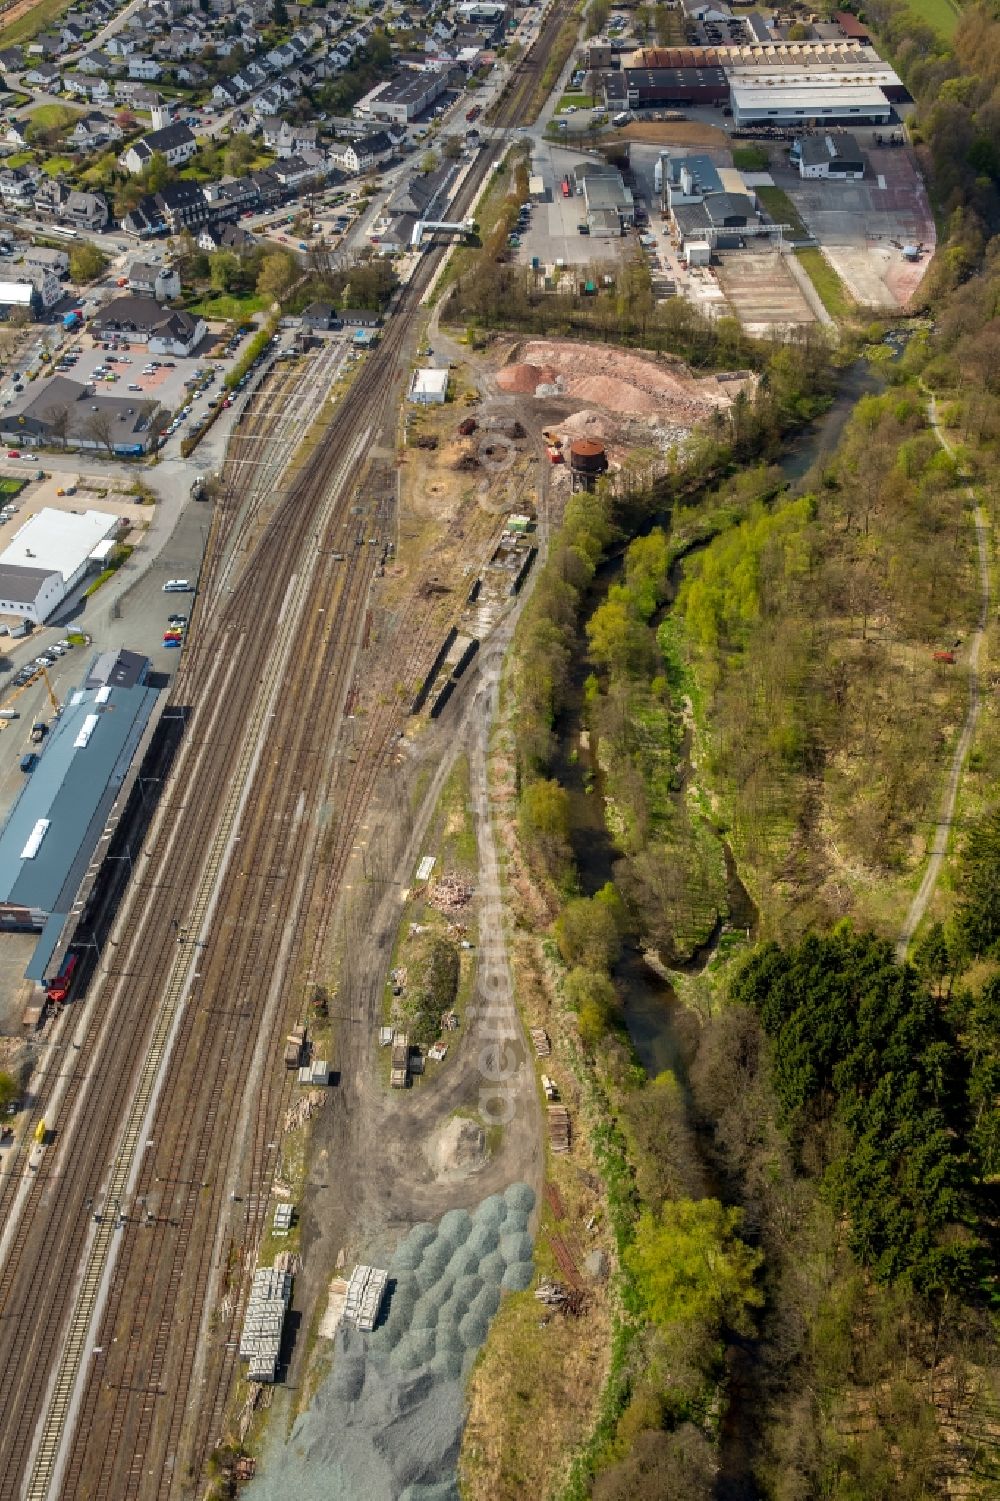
<point x="161" y="282"/>
<point x="146" y="68"/>
<point x="364" y="154"/>
<point x="175" y="142"/>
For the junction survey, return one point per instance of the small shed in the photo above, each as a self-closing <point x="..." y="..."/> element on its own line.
<point x="698" y="253"/>
<point x="429" y="387"/>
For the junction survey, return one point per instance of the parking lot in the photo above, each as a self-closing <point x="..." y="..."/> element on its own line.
<point x="130" y="370"/>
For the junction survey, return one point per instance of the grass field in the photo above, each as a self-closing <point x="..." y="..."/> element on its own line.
<point x="782" y="210"/>
<point x="580" y="101"/>
<point x="32" y="22"/>
<point x="56" y="165"/>
<point x="832" y="293"/>
<point x="49" y="116"/>
<point x="941" y="14"/>
<point x="19" y="159"/>
<point x="227" y="306"/>
<point x="751" y="158"/>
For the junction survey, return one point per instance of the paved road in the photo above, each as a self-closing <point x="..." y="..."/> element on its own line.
<point x="946" y="814"/>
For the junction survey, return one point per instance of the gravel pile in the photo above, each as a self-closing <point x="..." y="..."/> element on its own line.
<point x="386" y="1423"/>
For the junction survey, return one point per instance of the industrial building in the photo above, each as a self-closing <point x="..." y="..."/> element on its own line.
<point x="57" y="833"/>
<point x="404" y="97"/>
<point x="610" y="207"/>
<point x="48" y="557"/>
<point x="829" y="101"/>
<point x="828" y="80"/>
<point x="708" y="205"/>
<point x="637" y="88"/>
<point x="60" y="410"/>
<point x="830" y="156"/>
<point x="429" y="387"/>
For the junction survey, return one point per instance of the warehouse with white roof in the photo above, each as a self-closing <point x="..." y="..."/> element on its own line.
<point x="767" y="101"/>
<point x="49" y="556"/>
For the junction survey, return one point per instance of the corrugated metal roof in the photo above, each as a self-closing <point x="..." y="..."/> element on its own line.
<point x="79" y="773"/>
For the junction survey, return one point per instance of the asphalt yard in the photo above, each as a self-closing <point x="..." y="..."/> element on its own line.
<point x="863" y="225"/>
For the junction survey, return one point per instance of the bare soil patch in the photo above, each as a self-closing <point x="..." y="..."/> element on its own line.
<point x="629" y="384"/>
<point x="674" y="133"/>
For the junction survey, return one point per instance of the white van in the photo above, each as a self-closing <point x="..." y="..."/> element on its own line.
<point x="177" y="586"/>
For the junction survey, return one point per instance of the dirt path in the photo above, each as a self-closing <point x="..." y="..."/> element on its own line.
<point x="946" y="814"/>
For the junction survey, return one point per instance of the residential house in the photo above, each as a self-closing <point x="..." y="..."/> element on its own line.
<point x="223" y="94"/>
<point x="282" y="56"/>
<point x="161" y="282"/>
<point x="145" y="220"/>
<point x="17" y="187"/>
<point x="145" y="68"/>
<point x="287" y="140"/>
<point x="54" y="200"/>
<point x="86" y="86"/>
<point x="120" y="45"/>
<point x="41" y="258"/>
<point x="192" y="73"/>
<point x="364" y="154"/>
<point x="100" y="63"/>
<point x="71" y="34"/>
<point x="44" y="76"/>
<point x="94" y="128"/>
<point x="226" y="237"/>
<point x="182" y="205"/>
<point x="294" y="171"/>
<point x="11" y="60"/>
<point x="175" y="142"/>
<point x="47" y="45"/>
<point x="268" y="102"/>
<point x="17" y="133"/>
<point x="320" y="317"/>
<point x="244" y="82"/>
<point x="142" y="321"/>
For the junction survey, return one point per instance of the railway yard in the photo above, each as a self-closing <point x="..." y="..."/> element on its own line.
<point x="127" y="1253"/>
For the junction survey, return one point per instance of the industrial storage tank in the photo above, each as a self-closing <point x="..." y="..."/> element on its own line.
<point x="587" y="461"/>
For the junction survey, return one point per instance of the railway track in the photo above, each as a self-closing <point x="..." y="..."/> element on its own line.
<point x="153" y="1402"/>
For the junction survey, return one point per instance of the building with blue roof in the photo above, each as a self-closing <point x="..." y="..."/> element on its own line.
<point x="58" y="831"/>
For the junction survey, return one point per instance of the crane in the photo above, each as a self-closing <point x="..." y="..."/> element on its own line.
<point x="48" y="688"/>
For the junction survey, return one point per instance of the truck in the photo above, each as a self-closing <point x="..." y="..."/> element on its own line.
<point x="73" y="320"/>
<point x="39" y="730"/>
<point x="565" y="187"/>
<point x="198" y="489"/>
